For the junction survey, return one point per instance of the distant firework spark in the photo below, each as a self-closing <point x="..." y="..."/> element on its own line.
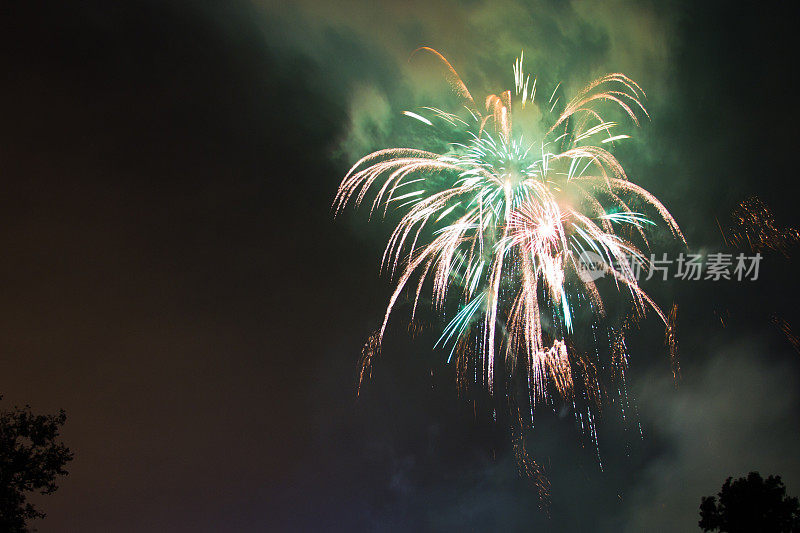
<point x="496" y="226"/>
<point x="754" y="226"/>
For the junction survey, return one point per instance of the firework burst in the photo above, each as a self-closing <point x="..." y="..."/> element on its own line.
<point x="496" y="228"/>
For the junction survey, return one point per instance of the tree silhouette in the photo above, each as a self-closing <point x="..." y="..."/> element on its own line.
<point x="30" y="460"/>
<point x="751" y="504"/>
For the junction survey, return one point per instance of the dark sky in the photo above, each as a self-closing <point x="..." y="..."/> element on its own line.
<point x="172" y="276"/>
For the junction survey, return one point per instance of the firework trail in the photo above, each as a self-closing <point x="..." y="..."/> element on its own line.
<point x="498" y="227"/>
<point x="786" y="329"/>
<point x="370" y="351"/>
<point x="671" y="341"/>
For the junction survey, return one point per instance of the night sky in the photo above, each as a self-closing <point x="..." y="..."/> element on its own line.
<point x="172" y="275"/>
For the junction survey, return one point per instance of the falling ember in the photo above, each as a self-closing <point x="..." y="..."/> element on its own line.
<point x="527" y="467"/>
<point x="495" y="228"/>
<point x="786" y="329"/>
<point x="371" y="350"/>
<point x="754" y="227"/>
<point x="671" y="341"/>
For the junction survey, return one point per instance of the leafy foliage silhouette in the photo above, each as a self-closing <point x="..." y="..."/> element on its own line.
<point x="751" y="504"/>
<point x="31" y="458"/>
